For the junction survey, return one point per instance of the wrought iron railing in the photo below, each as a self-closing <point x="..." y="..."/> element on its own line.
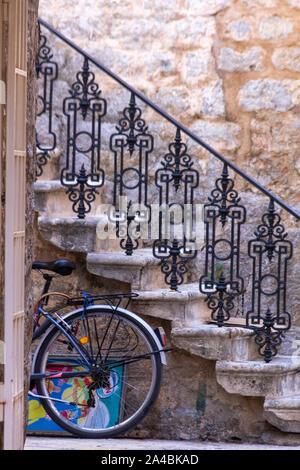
<point x="176" y="180"/>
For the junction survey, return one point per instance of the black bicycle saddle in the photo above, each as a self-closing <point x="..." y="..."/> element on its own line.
<point x="63" y="267"/>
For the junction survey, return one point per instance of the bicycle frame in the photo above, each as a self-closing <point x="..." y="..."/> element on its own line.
<point x="82" y="351"/>
<point x="63" y="326"/>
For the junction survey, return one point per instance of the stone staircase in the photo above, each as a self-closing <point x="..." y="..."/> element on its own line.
<point x="239" y="369"/>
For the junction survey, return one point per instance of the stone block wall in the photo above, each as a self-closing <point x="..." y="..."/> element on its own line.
<point x="227" y="69"/>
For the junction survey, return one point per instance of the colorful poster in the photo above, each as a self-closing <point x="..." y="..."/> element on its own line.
<point x="104" y="414"/>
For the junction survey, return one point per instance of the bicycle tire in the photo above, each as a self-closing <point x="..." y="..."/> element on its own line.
<point x="133" y="387"/>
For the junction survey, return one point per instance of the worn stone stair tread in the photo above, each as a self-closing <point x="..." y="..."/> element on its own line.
<point x="73" y="234"/>
<point x="140" y="257"/>
<point x="48" y="186"/>
<point x="72" y="220"/>
<point x="184" y="293"/>
<point x="212" y="330"/>
<point x="184" y="307"/>
<point x="258" y="378"/>
<point x="50" y="199"/>
<point x="288" y="402"/>
<point x="279" y="364"/>
<point x="284" y="413"/>
<point x="141" y="270"/>
<point x="214" y="343"/>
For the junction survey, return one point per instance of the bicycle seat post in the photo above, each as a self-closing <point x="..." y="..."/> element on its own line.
<point x="48" y="278"/>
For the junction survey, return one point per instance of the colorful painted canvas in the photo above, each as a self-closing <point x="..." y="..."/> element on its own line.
<point x="105" y="413"/>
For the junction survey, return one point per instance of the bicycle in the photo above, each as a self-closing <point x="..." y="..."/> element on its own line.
<point x="101" y="355"/>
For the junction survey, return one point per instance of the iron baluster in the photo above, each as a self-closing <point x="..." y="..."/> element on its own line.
<point x="47" y="73"/>
<point x="132" y="140"/>
<point x="174" y="256"/>
<point x="176" y="173"/>
<point x="84" y="101"/>
<point x="270" y="251"/>
<point x="128" y="242"/>
<point x="220" y="303"/>
<point x="221" y="281"/>
<point x="81" y="195"/>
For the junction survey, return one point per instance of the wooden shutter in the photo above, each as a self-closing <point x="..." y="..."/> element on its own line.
<point x="16" y="12"/>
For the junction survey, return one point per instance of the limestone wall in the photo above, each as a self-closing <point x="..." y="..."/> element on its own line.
<point x="227" y="69"/>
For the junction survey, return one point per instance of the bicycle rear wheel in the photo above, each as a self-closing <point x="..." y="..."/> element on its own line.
<point x="119" y="387"/>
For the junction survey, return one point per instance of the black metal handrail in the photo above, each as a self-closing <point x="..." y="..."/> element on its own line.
<point x="172" y="120"/>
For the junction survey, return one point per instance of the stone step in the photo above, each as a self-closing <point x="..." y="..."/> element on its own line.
<point x="283" y="413"/>
<point x="76" y="235"/>
<point x="51" y="170"/>
<point x="141" y="269"/>
<point x="185" y="306"/>
<point x="105" y="257"/>
<point x="50" y="199"/>
<point x="215" y="343"/>
<point x="258" y="378"/>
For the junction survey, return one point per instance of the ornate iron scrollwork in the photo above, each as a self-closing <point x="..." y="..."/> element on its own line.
<point x="47" y="72"/>
<point x="175" y="182"/>
<point x="128" y="240"/>
<point x="173" y="256"/>
<point x="84" y="144"/>
<point x="177" y="170"/>
<point x="270" y="252"/>
<point x="222" y="281"/>
<point x="176" y="173"/>
<point x="131" y="143"/>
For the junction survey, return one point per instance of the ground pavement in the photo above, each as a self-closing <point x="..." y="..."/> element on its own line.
<point x="70" y="443"/>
